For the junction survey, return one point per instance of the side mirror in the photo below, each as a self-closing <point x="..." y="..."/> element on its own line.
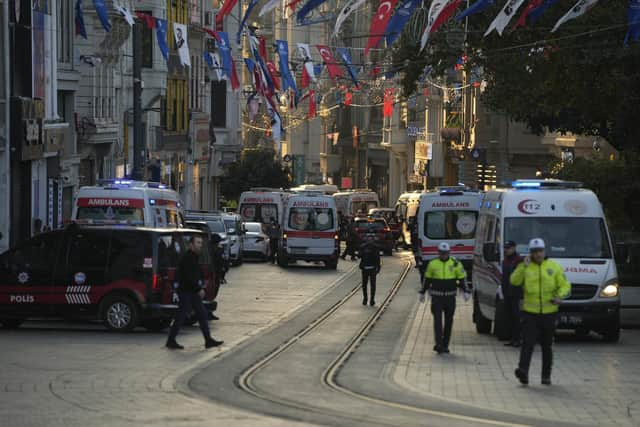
<point x="490" y="252"/>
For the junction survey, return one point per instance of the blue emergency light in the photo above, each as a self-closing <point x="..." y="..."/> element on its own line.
<point x="526" y="184"/>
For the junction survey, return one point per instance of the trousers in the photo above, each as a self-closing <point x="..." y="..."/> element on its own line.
<point x="443" y="307"/>
<point x="190" y="301"/>
<point x="369" y="276"/>
<point x="273" y="248"/>
<point x="512" y="305"/>
<point x="537" y="327"/>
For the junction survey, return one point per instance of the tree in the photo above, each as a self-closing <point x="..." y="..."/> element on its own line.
<point x="256" y="168"/>
<point x="580" y="79"/>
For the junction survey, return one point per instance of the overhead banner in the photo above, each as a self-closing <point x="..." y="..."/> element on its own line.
<point x="288" y="82"/>
<point x="347" y="10"/>
<point x="379" y="23"/>
<point x="335" y="71"/>
<point x="579" y="9"/>
<point x="503" y="18"/>
<point x="400" y="19"/>
<point x="180" y="34"/>
<point x="161" y="35"/>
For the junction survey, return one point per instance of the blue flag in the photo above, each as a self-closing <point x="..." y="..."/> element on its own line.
<point x="80" y="29"/>
<point x="536" y="13"/>
<point x="400" y="19"/>
<point x="225" y="53"/>
<point x="633" y="16"/>
<point x="251" y="66"/>
<point x="345" y="55"/>
<point x="317" y="69"/>
<point x="306" y="9"/>
<point x="477" y="7"/>
<point x="250" y="7"/>
<point x="207" y="59"/>
<point x="288" y="82"/>
<point x="161" y="35"/>
<point x="103" y="15"/>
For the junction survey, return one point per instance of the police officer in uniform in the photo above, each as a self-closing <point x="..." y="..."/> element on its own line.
<point x="190" y="294"/>
<point x="273" y="231"/>
<point x="370" y="266"/>
<point x="544" y="287"/>
<point x="442" y="278"/>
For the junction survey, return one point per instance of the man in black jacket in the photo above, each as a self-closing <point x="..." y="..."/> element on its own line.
<point x="190" y="294"/>
<point x="370" y="266"/>
<point x="512" y="294"/>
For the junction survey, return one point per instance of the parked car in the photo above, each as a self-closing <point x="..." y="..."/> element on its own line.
<point x="389" y="215"/>
<point x="256" y="240"/>
<point x="235" y="231"/>
<point x="216" y="225"/>
<point x="122" y="276"/>
<point x="378" y="226"/>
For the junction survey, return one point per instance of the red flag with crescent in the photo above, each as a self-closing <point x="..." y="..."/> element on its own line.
<point x="522" y="20"/>
<point x="335" y="71"/>
<point x="379" y="23"/>
<point x="273" y="73"/>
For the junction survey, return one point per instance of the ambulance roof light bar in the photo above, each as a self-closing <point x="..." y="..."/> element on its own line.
<point x="533" y="184"/>
<point x="129" y="183"/>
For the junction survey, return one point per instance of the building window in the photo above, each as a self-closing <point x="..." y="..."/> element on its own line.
<point x="177" y="107"/>
<point x="64" y="31"/>
<point x="219" y="103"/>
<point x="104" y="92"/>
<point x="195" y="84"/>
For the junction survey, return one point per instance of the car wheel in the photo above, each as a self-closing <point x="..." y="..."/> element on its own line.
<point x="501" y="327"/>
<point x="612" y="332"/>
<point x="119" y="313"/>
<point x="11" y="323"/>
<point x="156" y="325"/>
<point x="483" y="325"/>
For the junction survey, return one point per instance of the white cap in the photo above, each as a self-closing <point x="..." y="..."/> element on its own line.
<point x="536" y="243"/>
<point x="443" y="247"/>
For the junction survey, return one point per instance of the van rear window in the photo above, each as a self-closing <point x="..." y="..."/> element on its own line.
<point x="127" y="255"/>
<point x="134" y="216"/>
<point x="262" y="212"/>
<point x="450" y="225"/>
<point x="311" y="219"/>
<point x="171" y="246"/>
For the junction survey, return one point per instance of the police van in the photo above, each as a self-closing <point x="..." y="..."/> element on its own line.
<point x="126" y="202"/>
<point x="407" y="209"/>
<point x="121" y="275"/>
<point x="262" y="204"/>
<point x="448" y="214"/>
<point x="310" y="230"/>
<point x="571" y="221"/>
<point x="357" y="202"/>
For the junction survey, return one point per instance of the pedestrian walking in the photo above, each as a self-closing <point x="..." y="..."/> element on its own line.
<point x="273" y="231"/>
<point x="219" y="263"/>
<point x="442" y="278"/>
<point x="512" y="295"/>
<point x="352" y="241"/>
<point x="544" y="287"/>
<point x="370" y="266"/>
<point x="190" y="291"/>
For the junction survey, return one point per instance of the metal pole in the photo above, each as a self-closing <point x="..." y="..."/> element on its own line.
<point x="138" y="143"/>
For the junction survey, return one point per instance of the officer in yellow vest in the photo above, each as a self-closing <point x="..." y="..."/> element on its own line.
<point x="544" y="286"/>
<point x="442" y="278"/>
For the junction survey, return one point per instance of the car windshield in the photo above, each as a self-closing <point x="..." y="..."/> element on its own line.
<point x="112" y="214"/>
<point x="253" y="227"/>
<point x="216" y="226"/>
<point x="453" y="224"/>
<point x="363" y="207"/>
<point x="311" y="219"/>
<point x="564" y="237"/>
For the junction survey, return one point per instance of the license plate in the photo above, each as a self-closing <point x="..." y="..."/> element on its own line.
<point x="570" y="320"/>
<point x="298" y="250"/>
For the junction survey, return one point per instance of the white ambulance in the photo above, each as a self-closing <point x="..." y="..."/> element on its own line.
<point x="448" y="214"/>
<point x="119" y="201"/>
<point x="310" y="230"/>
<point x="356" y="202"/>
<point x="572" y="223"/>
<point x="262" y="204"/>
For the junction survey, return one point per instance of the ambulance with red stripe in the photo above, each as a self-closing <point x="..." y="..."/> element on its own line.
<point x="448" y="214"/>
<point x="310" y="230"/>
<point x="262" y="204"/>
<point x="125" y="202"/>
<point x="356" y="202"/>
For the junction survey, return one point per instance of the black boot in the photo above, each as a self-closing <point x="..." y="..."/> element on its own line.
<point x="173" y="345"/>
<point x="212" y="343"/>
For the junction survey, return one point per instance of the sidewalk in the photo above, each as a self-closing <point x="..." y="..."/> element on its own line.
<point x="593" y="383"/>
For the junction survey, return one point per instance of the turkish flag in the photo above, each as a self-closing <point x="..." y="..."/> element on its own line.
<point x="327" y="57"/>
<point x="312" y="104"/>
<point x="305" y="79"/>
<point x="533" y="4"/>
<point x="379" y="23"/>
<point x="273" y="73"/>
<point x="387" y="109"/>
<point x="447" y="12"/>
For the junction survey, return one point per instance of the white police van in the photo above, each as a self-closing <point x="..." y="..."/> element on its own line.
<point x="310" y="230"/>
<point x="448" y="214"/>
<point x="126" y="202"/>
<point x="572" y="223"/>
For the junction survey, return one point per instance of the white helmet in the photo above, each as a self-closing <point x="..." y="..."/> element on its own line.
<point x="536" y="243"/>
<point x="443" y="247"/>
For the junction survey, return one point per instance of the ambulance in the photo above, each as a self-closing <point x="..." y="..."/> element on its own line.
<point x="126" y="202"/>
<point x="310" y="230"/>
<point x="262" y="204"/>
<point x="571" y="221"/>
<point x="407" y="209"/>
<point x="356" y="202"/>
<point x="448" y="214"/>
